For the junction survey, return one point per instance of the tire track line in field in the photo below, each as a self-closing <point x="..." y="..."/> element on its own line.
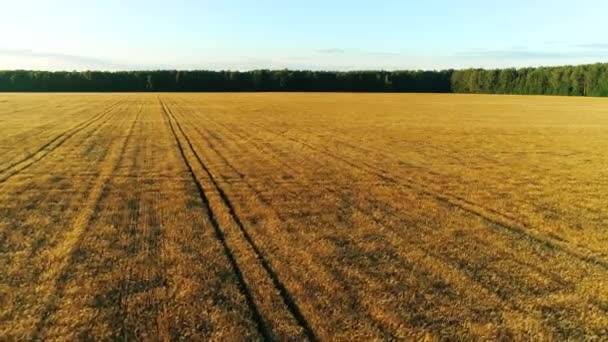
<point x="384" y="329"/>
<point x="503" y="222"/>
<point x="26" y="134"/>
<point x="325" y="186"/>
<point x="45" y="145"/>
<point x="138" y="232"/>
<point x="134" y="220"/>
<point x="80" y="225"/>
<point x="257" y="316"/>
<point x="53" y="144"/>
<point x="395" y="240"/>
<point x="286" y="297"/>
<point x="387" y="329"/>
<point x="385" y="155"/>
<point x="425" y="254"/>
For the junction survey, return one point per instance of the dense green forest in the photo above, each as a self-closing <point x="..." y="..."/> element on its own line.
<point x="582" y="80"/>
<point x="257" y="80"/>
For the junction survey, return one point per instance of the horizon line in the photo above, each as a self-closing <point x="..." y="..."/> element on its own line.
<point x="298" y="70"/>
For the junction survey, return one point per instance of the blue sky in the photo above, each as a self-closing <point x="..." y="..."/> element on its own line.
<point x="312" y="34"/>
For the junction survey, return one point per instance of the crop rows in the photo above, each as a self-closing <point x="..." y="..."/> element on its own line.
<point x="302" y="216"/>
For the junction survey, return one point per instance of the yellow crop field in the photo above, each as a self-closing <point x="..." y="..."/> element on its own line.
<point x="303" y="216"/>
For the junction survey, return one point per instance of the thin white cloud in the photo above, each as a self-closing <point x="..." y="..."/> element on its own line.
<point x="593" y="46"/>
<point x="516" y="54"/>
<point x="39" y="60"/>
<point x="355" y="52"/>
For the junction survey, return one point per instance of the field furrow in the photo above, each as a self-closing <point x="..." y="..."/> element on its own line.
<point x="19" y="144"/>
<point x="267" y="286"/>
<point x="18" y="166"/>
<point x="261" y="216"/>
<point x="294" y="242"/>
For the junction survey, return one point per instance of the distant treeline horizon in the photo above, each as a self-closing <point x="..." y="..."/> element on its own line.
<point x="580" y="80"/>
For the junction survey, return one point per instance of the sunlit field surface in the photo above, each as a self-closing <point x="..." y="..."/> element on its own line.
<point x="303" y="216"/>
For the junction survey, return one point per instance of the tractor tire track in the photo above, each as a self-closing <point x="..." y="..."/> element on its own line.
<point x="397" y="241"/>
<point x="385" y="155"/>
<point x="287" y="299"/>
<point x="385" y="330"/>
<point x="59" y="136"/>
<point x="262" y="329"/>
<point x="139" y="216"/>
<point x="518" y="230"/>
<point x="464" y="206"/>
<point x="80" y="226"/>
<point x="58" y="141"/>
<point x="502" y="222"/>
<point x="134" y="219"/>
<point x="26" y="134"/>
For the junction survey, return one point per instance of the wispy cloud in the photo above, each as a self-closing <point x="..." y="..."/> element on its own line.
<point x="532" y="54"/>
<point x="601" y="46"/>
<point x="358" y="52"/>
<point x="32" y="53"/>
<point x="30" y="59"/>
<point x="383" y="54"/>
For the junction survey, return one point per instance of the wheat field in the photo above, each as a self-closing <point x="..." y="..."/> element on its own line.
<point x="292" y="216"/>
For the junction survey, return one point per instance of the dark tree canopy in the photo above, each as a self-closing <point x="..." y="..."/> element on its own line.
<point x="257" y="80"/>
<point x="582" y="80"/>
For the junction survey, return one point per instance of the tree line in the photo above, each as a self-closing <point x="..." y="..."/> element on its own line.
<point x="582" y="80"/>
<point x="257" y="80"/>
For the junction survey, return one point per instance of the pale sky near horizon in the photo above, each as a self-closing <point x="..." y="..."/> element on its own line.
<point x="312" y="34"/>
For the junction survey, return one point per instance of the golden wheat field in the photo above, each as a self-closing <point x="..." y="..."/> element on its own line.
<point x="260" y="216"/>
